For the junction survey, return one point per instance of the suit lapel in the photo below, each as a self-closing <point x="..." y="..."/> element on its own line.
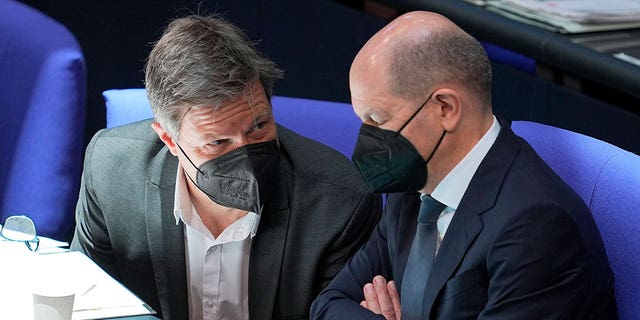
<point x="466" y="223"/>
<point x="165" y="238"/>
<point x="267" y="251"/>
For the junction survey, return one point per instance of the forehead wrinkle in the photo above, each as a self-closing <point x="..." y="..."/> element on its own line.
<point x="250" y="101"/>
<point x="216" y="114"/>
<point x="194" y="118"/>
<point x="256" y="101"/>
<point x="202" y="115"/>
<point x="204" y="123"/>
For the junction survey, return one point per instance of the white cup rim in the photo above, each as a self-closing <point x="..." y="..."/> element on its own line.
<point x="53" y="294"/>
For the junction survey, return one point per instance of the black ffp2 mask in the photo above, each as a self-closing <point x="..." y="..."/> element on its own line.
<point x="388" y="161"/>
<point x="241" y="179"/>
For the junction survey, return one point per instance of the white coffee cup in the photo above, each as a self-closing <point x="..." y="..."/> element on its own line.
<point x="51" y="305"/>
<point x="15" y="288"/>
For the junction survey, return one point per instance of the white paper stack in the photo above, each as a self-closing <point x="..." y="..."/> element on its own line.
<point x="572" y="16"/>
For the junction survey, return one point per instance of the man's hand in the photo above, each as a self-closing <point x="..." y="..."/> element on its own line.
<point x="382" y="298"/>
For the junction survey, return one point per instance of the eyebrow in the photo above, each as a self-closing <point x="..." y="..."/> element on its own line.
<point x="208" y="137"/>
<point x="261" y="115"/>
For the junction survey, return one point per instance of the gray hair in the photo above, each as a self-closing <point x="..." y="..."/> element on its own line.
<point x="444" y="56"/>
<point x="202" y="60"/>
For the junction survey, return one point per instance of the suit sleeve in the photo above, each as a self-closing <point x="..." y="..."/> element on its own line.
<point x="538" y="268"/>
<point x="341" y="299"/>
<point x="91" y="236"/>
<point x="358" y="230"/>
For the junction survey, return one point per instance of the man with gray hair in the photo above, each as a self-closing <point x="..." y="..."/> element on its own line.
<point x="213" y="211"/>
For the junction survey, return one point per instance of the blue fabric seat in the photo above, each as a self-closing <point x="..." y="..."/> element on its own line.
<point x="606" y="177"/>
<point x="42" y="109"/>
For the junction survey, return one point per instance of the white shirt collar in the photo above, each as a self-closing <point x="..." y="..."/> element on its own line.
<point x="181" y="196"/>
<point x="451" y="189"/>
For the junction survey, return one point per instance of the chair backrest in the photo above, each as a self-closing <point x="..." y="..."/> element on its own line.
<point x="606" y="177"/>
<point x="331" y="123"/>
<point x="608" y="180"/>
<point x="42" y="108"/>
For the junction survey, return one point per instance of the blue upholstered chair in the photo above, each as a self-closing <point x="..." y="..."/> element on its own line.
<point x="605" y="176"/>
<point x="42" y="108"/>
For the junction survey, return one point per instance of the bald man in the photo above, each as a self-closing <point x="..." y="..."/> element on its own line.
<point x="476" y="226"/>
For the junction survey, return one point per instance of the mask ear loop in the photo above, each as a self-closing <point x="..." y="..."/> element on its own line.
<point x="414" y="114"/>
<point x="436" y="148"/>
<point x="186" y="156"/>
<point x="188" y="176"/>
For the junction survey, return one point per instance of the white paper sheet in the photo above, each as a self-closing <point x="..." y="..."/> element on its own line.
<point x="98" y="295"/>
<point x="557" y="15"/>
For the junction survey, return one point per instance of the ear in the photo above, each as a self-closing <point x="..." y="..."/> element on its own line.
<point x="166" y="138"/>
<point x="449" y="107"/>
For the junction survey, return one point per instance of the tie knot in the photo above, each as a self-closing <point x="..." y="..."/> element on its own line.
<point x="430" y="209"/>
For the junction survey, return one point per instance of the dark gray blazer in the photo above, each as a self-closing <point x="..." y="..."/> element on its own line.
<point x="320" y="216"/>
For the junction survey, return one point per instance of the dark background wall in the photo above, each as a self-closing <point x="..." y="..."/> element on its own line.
<point x="314" y="41"/>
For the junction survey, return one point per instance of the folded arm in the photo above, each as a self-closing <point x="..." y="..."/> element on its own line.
<point x="341" y="299"/>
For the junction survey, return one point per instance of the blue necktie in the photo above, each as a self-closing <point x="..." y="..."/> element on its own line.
<point x="420" y="259"/>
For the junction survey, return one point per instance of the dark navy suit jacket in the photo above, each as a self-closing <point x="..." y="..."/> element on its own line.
<point x="521" y="245"/>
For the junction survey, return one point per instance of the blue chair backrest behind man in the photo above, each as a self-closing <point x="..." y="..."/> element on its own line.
<point x="607" y="178"/>
<point x="42" y="108"/>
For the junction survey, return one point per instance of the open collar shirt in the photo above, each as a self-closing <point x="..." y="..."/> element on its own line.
<point x="217" y="268"/>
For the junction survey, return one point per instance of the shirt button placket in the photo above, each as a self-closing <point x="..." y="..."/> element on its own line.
<point x="209" y="298"/>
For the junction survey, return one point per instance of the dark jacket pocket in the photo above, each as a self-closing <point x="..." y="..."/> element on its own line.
<point x="462" y="297"/>
<point x="466" y="281"/>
